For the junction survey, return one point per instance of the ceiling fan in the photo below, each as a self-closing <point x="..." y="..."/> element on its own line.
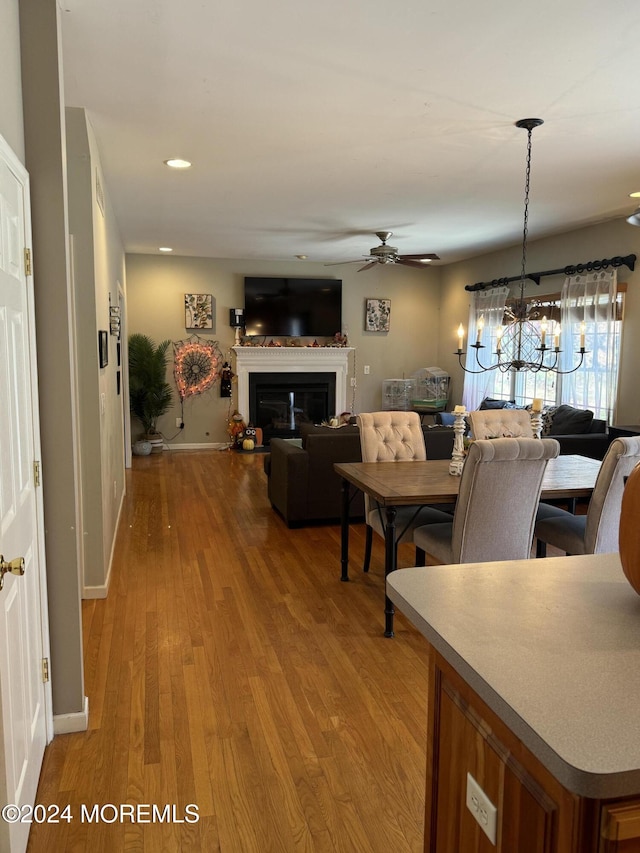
<point x="384" y="254"/>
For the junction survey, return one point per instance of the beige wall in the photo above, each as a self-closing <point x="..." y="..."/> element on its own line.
<point x="426" y="309"/>
<point x="155" y="294"/>
<point x="596" y="242"/>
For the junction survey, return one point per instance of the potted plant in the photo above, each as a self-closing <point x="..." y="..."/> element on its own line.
<point x="150" y="395"/>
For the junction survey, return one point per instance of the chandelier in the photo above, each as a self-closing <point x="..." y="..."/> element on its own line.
<point x="525" y="342"/>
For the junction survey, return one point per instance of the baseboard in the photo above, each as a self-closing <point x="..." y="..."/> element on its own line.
<point x="208" y="446"/>
<point x="101" y="591"/>
<point x="64" y="724"/>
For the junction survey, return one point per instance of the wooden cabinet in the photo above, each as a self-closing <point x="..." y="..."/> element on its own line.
<point x="536" y="814"/>
<point x="534" y="690"/>
<point x="620" y="827"/>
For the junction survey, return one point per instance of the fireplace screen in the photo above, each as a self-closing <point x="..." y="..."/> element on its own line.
<point x="280" y="402"/>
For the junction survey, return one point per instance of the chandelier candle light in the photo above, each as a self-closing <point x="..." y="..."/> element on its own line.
<point x="519" y="344"/>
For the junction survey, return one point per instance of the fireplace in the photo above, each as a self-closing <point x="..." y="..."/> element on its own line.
<point x="294" y="384"/>
<point x="280" y="402"/>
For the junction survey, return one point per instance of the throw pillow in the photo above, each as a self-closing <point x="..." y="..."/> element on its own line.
<point x="491" y="403"/>
<point x="547" y="419"/>
<point x="569" y="421"/>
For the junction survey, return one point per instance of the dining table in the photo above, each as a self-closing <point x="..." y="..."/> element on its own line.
<point x="396" y="484"/>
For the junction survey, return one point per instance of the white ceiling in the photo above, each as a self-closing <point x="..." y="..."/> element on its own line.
<point x="312" y="125"/>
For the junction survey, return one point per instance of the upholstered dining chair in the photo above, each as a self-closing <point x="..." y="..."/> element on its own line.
<point x="393" y="436"/>
<point x="597" y="531"/>
<point x="496" y="423"/>
<point x="497" y="501"/>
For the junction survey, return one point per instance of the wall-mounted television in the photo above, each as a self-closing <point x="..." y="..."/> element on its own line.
<point x="292" y="307"/>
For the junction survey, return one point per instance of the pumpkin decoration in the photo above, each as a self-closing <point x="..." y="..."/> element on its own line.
<point x="248" y="444"/>
<point x="629" y="531"/>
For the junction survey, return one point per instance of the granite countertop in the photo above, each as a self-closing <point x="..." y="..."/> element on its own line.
<point x="553" y="647"/>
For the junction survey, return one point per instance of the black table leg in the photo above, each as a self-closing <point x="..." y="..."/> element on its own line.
<point x="389" y="566"/>
<point x="344" y="531"/>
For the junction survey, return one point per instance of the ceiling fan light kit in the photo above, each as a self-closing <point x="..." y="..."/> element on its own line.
<point x="385" y="254"/>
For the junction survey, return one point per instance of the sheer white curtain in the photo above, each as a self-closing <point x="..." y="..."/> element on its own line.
<point x="588" y="313"/>
<point x="488" y="304"/>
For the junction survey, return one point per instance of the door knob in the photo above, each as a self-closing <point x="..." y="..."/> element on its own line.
<point x="14" y="567"/>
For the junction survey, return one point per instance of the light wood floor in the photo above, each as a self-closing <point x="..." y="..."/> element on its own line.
<point x="231" y="669"/>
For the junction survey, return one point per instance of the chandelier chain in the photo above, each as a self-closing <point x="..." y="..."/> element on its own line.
<point x="525" y="227"/>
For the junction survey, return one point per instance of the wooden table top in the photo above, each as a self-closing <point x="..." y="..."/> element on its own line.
<point x="398" y="484"/>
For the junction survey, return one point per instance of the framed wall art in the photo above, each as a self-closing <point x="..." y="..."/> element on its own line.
<point x="198" y="311"/>
<point x="103" y="348"/>
<point x="377" y="315"/>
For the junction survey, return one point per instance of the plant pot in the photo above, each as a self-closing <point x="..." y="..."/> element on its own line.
<point x="141" y="448"/>
<point x="156" y="440"/>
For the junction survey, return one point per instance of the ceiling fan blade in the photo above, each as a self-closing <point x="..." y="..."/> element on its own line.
<point x="415" y="264"/>
<point x="424" y="256"/>
<point x="368" y="266"/>
<point x="337" y="263"/>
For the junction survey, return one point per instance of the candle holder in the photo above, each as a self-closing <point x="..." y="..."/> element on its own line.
<point x="536" y="423"/>
<point x="457" y="457"/>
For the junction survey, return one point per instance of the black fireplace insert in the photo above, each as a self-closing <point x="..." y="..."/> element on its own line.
<point x="280" y="402"/>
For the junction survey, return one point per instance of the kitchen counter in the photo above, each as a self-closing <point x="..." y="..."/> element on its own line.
<point x="553" y="647"/>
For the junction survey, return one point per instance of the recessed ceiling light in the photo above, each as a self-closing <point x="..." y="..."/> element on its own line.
<point x="635" y="195"/>
<point x="301" y="257"/>
<point x="165" y="249"/>
<point x="177" y="163"/>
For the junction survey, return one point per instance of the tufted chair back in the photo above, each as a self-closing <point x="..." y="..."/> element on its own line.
<point x="597" y="532"/>
<point x="497" y="502"/>
<point x="391" y="437"/>
<point x="501" y="423"/>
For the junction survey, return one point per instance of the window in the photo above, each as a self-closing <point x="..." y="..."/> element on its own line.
<point x="594" y="385"/>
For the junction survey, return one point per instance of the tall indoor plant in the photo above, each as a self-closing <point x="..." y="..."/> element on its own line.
<point x="150" y="395"/>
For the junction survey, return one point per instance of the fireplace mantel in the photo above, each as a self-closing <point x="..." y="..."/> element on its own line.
<point x="292" y="360"/>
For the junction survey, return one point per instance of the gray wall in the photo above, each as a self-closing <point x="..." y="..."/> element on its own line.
<point x="98" y="258"/>
<point x="10" y="82"/>
<point x="45" y="161"/>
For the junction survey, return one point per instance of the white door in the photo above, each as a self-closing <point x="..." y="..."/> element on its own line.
<point x="25" y="700"/>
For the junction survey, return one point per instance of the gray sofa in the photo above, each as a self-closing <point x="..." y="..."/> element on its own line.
<point x="302" y="484"/>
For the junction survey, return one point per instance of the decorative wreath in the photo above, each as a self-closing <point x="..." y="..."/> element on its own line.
<point x="197" y="365"/>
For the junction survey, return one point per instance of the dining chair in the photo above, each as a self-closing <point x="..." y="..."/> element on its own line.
<point x="497" y="501"/>
<point x="495" y="423"/>
<point x="595" y="532"/>
<point x="393" y="436"/>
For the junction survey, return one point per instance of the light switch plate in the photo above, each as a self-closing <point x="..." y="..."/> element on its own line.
<point x="481" y="807"/>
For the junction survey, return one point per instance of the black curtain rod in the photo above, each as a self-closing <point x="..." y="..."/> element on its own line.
<point x="590" y="266"/>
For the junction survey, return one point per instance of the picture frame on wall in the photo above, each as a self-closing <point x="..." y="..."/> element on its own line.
<point x="377" y="317"/>
<point x="198" y="311"/>
<point x="103" y="347"/>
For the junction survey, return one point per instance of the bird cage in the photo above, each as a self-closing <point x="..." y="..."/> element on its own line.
<point x="431" y="388"/>
<point x="397" y="394"/>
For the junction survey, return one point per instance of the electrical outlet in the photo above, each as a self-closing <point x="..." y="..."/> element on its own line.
<point x="178" y="422"/>
<point x="481" y="807"/>
<point x="367" y="369"/>
<point x="353" y="381"/>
